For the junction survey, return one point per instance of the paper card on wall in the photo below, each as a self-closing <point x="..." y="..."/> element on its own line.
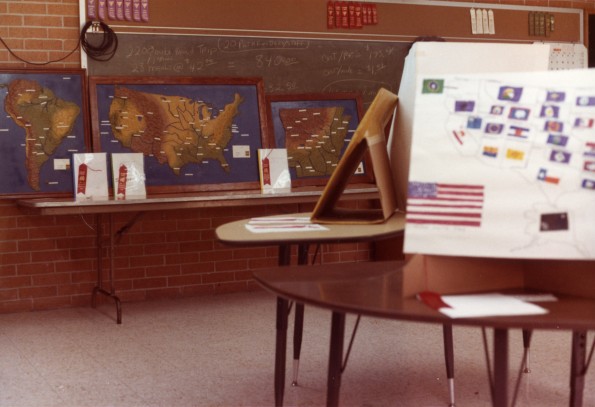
<point x="274" y="170"/>
<point x="502" y="165"/>
<point x="144" y="10"/>
<point x="101" y="9"/>
<point x="128" y="10"/>
<point x="128" y="172"/>
<point x="91" y="9"/>
<point x="90" y="176"/>
<point x="136" y="10"/>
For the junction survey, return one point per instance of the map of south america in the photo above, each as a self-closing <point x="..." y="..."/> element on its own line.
<point x="46" y="119"/>
<point x="175" y="130"/>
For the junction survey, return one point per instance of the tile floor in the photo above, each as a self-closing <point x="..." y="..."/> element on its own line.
<point x="218" y="351"/>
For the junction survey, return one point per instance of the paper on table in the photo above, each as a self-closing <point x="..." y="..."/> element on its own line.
<point x="283" y="224"/>
<point x="485" y="305"/>
<point x="287" y="220"/>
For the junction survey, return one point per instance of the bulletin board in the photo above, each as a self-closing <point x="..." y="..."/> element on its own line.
<point x="397" y="20"/>
<point x="291" y="47"/>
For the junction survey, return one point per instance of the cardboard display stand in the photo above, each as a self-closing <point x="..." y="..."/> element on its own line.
<point x="369" y="136"/>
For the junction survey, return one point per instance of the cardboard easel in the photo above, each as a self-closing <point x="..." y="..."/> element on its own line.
<point x="369" y="136"/>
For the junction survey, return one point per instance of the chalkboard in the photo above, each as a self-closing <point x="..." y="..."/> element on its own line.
<point x="287" y="65"/>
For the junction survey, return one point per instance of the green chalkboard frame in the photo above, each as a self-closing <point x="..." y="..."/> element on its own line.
<point x="196" y="134"/>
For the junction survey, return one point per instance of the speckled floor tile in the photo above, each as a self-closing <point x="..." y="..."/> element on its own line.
<point x="219" y="351"/>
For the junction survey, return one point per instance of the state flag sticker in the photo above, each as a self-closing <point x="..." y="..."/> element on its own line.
<point x="433" y="86"/>
<point x="553" y="222"/>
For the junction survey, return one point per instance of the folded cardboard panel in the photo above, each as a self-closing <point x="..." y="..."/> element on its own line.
<point x="457" y="275"/>
<point x="460" y="275"/>
<point x="571" y="277"/>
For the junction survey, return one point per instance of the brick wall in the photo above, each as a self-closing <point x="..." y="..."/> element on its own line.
<point x="50" y="261"/>
<point x="39" y="31"/>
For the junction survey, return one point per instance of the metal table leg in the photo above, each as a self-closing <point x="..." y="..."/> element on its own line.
<point x="280" y="349"/>
<point x="500" y="385"/>
<point x="298" y="326"/>
<point x="281" y="339"/>
<point x="578" y="367"/>
<point x="527" y="333"/>
<point x="450" y="362"/>
<point x="99" y="288"/>
<point x="335" y="363"/>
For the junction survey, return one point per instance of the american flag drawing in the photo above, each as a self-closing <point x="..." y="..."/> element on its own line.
<point x="445" y="204"/>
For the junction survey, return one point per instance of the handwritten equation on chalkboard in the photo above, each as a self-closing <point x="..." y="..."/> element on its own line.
<point x="286" y="65"/>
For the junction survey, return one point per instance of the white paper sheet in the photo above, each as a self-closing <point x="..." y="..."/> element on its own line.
<point x="485" y="305"/>
<point x="283" y="225"/>
<point x="503" y="165"/>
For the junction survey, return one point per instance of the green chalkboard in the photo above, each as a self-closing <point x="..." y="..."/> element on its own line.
<point x="287" y="65"/>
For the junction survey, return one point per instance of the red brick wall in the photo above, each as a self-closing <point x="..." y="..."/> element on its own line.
<point x="50" y="261"/>
<point x="39" y="31"/>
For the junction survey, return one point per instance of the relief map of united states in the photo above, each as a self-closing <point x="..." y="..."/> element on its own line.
<point x="189" y="134"/>
<point x="174" y="129"/>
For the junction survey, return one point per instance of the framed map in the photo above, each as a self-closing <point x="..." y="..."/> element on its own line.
<point x="196" y="134"/>
<point x="315" y="129"/>
<point x="45" y="121"/>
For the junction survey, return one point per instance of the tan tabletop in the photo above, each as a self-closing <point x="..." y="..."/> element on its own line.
<point x="235" y="233"/>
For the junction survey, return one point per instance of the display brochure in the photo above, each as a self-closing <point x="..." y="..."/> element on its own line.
<point x="90" y="176"/>
<point x="128" y="173"/>
<point x="273" y="168"/>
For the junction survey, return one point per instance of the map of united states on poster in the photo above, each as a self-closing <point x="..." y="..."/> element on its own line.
<point x="503" y="165"/>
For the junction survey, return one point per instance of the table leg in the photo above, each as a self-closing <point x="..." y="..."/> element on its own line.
<point x="500" y="394"/>
<point x="298" y="326"/>
<point x="527" y="333"/>
<point x="99" y="288"/>
<point x="450" y="362"/>
<point x="578" y="367"/>
<point x="281" y="339"/>
<point x="298" y="329"/>
<point x="280" y="349"/>
<point x="335" y="359"/>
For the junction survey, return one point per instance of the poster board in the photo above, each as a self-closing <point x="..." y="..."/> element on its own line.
<point x="444" y="58"/>
<point x="503" y="165"/>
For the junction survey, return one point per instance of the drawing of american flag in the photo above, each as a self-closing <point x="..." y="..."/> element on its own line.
<point x="445" y="204"/>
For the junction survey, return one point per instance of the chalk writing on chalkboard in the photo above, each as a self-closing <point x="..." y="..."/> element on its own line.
<point x="286" y="65"/>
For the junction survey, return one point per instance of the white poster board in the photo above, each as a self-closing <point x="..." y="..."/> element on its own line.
<point x="426" y="58"/>
<point x="503" y="165"/>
